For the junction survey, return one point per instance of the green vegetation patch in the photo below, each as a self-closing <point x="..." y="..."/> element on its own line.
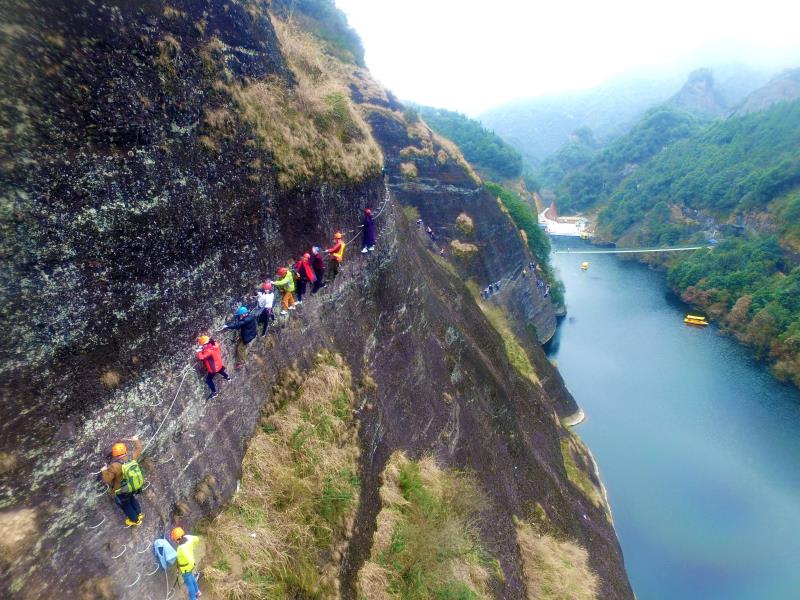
<point x="577" y="462"/>
<point x="426" y="545"/>
<point x="483" y="148"/>
<point x="514" y="350"/>
<point x="298" y="496"/>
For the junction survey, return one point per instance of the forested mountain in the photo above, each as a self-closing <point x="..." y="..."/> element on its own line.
<point x="582" y="176"/>
<point x="737" y="179"/>
<point x="484" y="149"/>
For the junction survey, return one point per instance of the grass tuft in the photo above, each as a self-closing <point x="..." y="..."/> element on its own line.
<point x="298" y="496"/>
<point x="426" y="544"/>
<point x="573" y="451"/>
<point x="554" y="569"/>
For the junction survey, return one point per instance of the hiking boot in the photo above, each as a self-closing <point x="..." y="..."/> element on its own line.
<point x="283" y="312"/>
<point x="371" y="248"/>
<point x="292" y="307"/>
<point x="298" y="303"/>
<point x="140" y="519"/>
<point x="129" y="523"/>
<point x="364" y="250"/>
<point x="227" y="377"/>
<point x="212" y="395"/>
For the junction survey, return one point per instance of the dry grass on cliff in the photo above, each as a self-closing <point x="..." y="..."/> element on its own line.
<point x="283" y="533"/>
<point x="426" y="544"/>
<point x="554" y="569"/>
<point x="514" y="350"/>
<point x="312" y="128"/>
<point x="574" y="452"/>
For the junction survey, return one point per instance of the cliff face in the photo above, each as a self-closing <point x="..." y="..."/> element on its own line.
<point x="140" y="202"/>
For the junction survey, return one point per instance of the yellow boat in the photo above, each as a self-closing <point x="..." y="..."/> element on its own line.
<point x="698" y="320"/>
<point x="584" y="265"/>
<point x="584" y="235"/>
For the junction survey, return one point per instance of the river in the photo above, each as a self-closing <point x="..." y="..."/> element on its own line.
<point x="698" y="445"/>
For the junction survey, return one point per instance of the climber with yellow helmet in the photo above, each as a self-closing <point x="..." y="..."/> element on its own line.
<point x="336" y="255"/>
<point x="186" y="562"/>
<point x="125" y="479"/>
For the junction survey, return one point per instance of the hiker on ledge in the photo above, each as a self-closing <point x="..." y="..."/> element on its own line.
<point x="125" y="479"/>
<point x="285" y="284"/>
<point x="336" y="253"/>
<point x="305" y="275"/>
<point x="368" y="233"/>
<point x="185" y="560"/>
<point x="248" y="331"/>
<point x="210" y="354"/>
<point x="266" y="299"/>
<point x="318" y="264"/>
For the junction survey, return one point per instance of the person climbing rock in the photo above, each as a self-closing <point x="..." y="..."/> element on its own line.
<point x="248" y="331"/>
<point x="285" y="284"/>
<point x="266" y="299"/>
<point x="185" y="561"/>
<point x="336" y="253"/>
<point x="368" y="232"/>
<point x="210" y="354"/>
<point x="305" y="275"/>
<point x="125" y="479"/>
<point x="318" y="264"/>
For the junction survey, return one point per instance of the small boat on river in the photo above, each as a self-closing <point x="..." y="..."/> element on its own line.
<point x="696" y="320"/>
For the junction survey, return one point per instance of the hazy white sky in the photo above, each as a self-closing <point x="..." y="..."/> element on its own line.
<point x="470" y="55"/>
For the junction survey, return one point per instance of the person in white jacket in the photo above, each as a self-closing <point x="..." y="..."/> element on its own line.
<point x="266" y="298"/>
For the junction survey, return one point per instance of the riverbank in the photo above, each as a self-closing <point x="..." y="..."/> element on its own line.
<point x="697" y="443"/>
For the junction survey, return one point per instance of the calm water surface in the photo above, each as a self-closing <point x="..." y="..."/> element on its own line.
<point x="698" y="445"/>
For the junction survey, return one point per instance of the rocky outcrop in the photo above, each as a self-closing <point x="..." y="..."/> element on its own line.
<point x="139" y="207"/>
<point x="784" y="87"/>
<point x="441" y="188"/>
<point x="699" y="95"/>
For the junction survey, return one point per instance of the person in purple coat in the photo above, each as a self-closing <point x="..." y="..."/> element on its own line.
<point x="368" y="233"/>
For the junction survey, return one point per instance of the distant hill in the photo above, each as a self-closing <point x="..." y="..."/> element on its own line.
<point x="539" y="127"/>
<point x="784" y="87"/>
<point x="484" y="149"/>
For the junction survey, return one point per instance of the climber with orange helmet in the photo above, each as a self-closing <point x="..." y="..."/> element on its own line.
<point x="285" y="284"/>
<point x="336" y="253"/>
<point x="125" y="479"/>
<point x="305" y="275"/>
<point x="185" y="559"/>
<point x="245" y="322"/>
<point x="210" y="353"/>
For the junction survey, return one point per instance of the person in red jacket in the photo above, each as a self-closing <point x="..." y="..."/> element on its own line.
<point x="210" y="354"/>
<point x="305" y="275"/>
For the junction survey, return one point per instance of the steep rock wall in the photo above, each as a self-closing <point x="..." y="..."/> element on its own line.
<point x="126" y="241"/>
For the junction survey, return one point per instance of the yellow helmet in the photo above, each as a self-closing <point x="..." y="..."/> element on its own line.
<point x="337" y="235"/>
<point x="178" y="533"/>
<point x="203" y="340"/>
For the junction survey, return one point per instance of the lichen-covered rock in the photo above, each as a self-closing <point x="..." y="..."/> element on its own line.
<point x="137" y="207"/>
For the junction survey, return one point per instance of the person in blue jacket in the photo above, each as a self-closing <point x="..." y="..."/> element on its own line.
<point x="245" y="322"/>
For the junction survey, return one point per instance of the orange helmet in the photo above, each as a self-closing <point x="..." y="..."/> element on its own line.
<point x="306" y="256"/>
<point x="368" y="211"/>
<point x="203" y="340"/>
<point x="119" y="449"/>
<point x="282" y="272"/>
<point x="267" y="286"/>
<point x="178" y="533"/>
<point x="337" y="235"/>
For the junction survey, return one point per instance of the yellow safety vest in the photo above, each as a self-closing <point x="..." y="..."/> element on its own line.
<point x="186" y="562"/>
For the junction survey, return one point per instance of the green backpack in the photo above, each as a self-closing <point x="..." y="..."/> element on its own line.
<point x="132" y="478"/>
